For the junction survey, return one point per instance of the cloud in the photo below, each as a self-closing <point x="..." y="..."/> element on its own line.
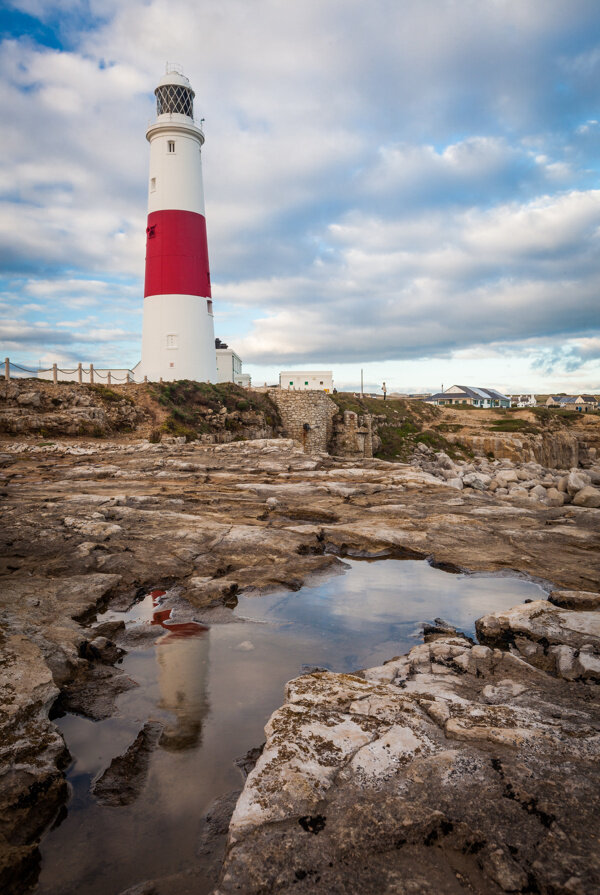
<point x="382" y="181"/>
<point x="514" y="271"/>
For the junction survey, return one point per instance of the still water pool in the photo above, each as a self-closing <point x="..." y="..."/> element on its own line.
<point x="214" y="688"/>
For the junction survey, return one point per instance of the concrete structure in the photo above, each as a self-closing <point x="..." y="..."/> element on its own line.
<point x="243" y="379"/>
<point x="229" y="365"/>
<point x="581" y="403"/>
<point x="178" y="339"/>
<point x="306" y="380"/>
<point x="471" y="395"/>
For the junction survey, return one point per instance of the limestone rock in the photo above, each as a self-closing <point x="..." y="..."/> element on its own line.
<point x="440" y="759"/>
<point x="576" y="480"/>
<point x="68" y="543"/>
<point x="539" y="493"/>
<point x="29" y="399"/>
<point x="587" y="497"/>
<point x="554" y="497"/>
<point x="122" y="781"/>
<point x="535" y="629"/>
<point x="575" y="599"/>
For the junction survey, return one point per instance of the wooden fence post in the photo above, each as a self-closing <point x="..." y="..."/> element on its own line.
<point x="91" y="373"/>
<point x="109" y="380"/>
<point x="6" y="369"/>
<point x="55" y="374"/>
<point x="79" y="373"/>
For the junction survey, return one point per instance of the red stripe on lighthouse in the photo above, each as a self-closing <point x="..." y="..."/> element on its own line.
<point x="176" y="254"/>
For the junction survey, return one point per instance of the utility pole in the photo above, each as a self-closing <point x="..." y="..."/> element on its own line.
<point x="362" y="391"/>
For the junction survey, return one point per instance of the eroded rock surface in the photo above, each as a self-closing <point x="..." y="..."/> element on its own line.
<point x="86" y="522"/>
<point x="457" y="768"/>
<point x="121" y="782"/>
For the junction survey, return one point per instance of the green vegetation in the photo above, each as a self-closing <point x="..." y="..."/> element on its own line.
<point x="512" y="425"/>
<point x="195" y="407"/>
<point x="547" y="415"/>
<point x="448" y="427"/>
<point x="405" y="424"/>
<point x="394" y="409"/>
<point x="109" y="396"/>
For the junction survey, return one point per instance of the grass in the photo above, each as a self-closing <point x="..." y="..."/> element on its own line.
<point x="547" y="415"/>
<point x="512" y="425"/>
<point x="109" y="395"/>
<point x="189" y="404"/>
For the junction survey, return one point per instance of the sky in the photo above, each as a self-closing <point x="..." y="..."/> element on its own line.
<point x="408" y="187"/>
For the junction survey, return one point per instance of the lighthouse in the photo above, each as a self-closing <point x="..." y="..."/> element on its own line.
<point x="178" y="340"/>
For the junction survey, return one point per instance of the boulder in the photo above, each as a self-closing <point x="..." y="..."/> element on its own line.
<point x="518" y="491"/>
<point x="505" y="476"/>
<point x="534" y="628"/>
<point x="576" y="480"/>
<point x="539" y="493"/>
<point x="29" y="399"/>
<point x="477" y="480"/>
<point x="554" y="497"/>
<point x="587" y="497"/>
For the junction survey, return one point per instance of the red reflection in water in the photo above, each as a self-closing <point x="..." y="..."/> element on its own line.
<point x="175" y="629"/>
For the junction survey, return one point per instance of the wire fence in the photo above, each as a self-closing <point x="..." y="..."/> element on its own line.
<point x="90" y="373"/>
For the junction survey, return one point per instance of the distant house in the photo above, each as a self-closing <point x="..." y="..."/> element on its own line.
<point x="522" y="401"/>
<point x="305" y="380"/>
<point x="581" y="403"/>
<point x="470" y="395"/>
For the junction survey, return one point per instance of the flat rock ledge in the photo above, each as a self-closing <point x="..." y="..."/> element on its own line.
<point x="83" y="523"/>
<point x="457" y="768"/>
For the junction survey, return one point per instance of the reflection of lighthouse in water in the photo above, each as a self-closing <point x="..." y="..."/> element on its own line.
<point x="182" y="655"/>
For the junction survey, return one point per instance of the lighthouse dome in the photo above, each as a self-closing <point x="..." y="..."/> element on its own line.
<point x="174" y="95"/>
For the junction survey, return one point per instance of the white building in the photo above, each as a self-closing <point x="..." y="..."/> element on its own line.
<point x="470" y="395"/>
<point x="178" y="340"/>
<point x="304" y="380"/>
<point x="229" y="365"/>
<point x="522" y="401"/>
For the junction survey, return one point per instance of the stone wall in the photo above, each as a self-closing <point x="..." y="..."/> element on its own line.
<point x="307" y="417"/>
<point x="353" y="435"/>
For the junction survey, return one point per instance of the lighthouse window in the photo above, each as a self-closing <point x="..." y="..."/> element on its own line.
<point x="209" y="306"/>
<point x="171" y="145"/>
<point x="172" y="340"/>
<point x="174" y="99"/>
<point x="153" y="184"/>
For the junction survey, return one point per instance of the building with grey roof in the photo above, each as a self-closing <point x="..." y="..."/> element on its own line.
<point x="470" y="395"/>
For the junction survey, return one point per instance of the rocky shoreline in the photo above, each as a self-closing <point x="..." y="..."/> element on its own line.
<point x="84" y="523"/>
<point x="458" y="767"/>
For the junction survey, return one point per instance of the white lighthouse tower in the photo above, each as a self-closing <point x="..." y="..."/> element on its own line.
<point x="178" y="340"/>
